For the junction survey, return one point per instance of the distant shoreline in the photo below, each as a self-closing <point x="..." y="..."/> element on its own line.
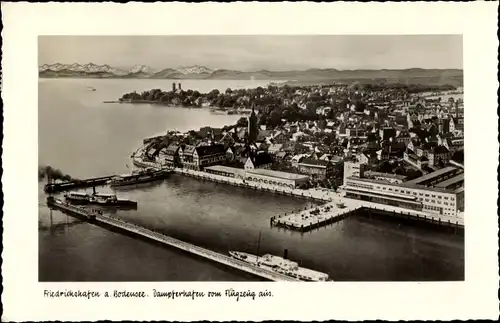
<point x="388" y="81"/>
<point x="233" y="111"/>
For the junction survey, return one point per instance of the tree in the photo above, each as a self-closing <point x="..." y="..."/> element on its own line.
<point x="242" y="122"/>
<point x="212" y="95"/>
<point x="275" y="117"/>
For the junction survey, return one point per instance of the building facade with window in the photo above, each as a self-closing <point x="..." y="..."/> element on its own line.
<point x="316" y="168"/>
<point x="197" y="157"/>
<point x="277" y="178"/>
<point x="416" y="197"/>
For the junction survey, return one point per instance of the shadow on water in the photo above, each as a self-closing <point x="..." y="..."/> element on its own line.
<point x="406" y="223"/>
<point x="142" y="186"/>
<point x="59" y="227"/>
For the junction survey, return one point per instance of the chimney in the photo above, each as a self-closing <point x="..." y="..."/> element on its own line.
<point x="285" y="254"/>
<point x="173" y="87"/>
<point x="180" y="87"/>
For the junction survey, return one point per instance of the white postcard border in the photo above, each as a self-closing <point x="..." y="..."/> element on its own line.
<point x="476" y="297"/>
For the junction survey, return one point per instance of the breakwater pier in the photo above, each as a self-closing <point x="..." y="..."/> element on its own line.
<point x="129" y="228"/>
<point x="64" y="186"/>
<point x="79" y="212"/>
<point x="313" y="218"/>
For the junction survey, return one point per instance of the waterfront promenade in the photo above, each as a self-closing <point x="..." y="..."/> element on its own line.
<point x="328" y="213"/>
<point x="314" y="194"/>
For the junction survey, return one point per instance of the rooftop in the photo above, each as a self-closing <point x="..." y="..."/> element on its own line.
<point x="451" y="181"/>
<point x="388" y="175"/>
<point x="314" y="162"/>
<point x="226" y="169"/>
<point x="407" y="184"/>
<point x="277" y="174"/>
<point x="433" y="175"/>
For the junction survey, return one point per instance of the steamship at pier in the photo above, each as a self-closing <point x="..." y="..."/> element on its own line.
<point x="281" y="265"/>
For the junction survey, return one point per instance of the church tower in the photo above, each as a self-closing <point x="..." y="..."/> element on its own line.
<point x="253" y="126"/>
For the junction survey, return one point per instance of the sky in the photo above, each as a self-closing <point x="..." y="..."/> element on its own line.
<point x="250" y="53"/>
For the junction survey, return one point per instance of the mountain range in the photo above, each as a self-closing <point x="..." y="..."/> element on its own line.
<point x="91" y="70"/>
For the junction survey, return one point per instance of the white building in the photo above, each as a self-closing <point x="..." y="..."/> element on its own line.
<point x="272" y="177"/>
<point x="432" y="200"/>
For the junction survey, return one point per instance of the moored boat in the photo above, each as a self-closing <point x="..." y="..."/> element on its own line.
<point x="77" y="197"/>
<point x="281" y="265"/>
<point x="139" y="176"/>
<point x="98" y="199"/>
<point x="112" y="200"/>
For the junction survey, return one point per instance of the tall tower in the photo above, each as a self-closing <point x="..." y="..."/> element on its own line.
<point x="253" y="126"/>
<point x="180" y="87"/>
<point x="173" y="87"/>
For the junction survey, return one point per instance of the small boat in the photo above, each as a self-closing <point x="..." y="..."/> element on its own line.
<point x="77" y="197"/>
<point x="111" y="200"/>
<point x="281" y="265"/>
<point x="139" y="176"/>
<point x="341" y="205"/>
<point x="98" y="199"/>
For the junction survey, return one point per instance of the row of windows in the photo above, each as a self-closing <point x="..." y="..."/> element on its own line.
<point x="255" y="179"/>
<point x="435" y="201"/>
<point x="403" y="191"/>
<point x="369" y="187"/>
<point x="430" y="207"/>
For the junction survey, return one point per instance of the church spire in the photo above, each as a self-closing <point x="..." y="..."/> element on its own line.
<point x="253" y="126"/>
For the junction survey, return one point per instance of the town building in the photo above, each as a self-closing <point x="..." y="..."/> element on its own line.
<point x="316" y="168"/>
<point x="272" y="177"/>
<point x="274" y="149"/>
<point x="388" y="177"/>
<point x="406" y="195"/>
<point x="279" y="137"/>
<point x="171" y="156"/>
<point x="225" y="171"/>
<point x="353" y="168"/>
<point x="198" y="157"/>
<point x="438" y="155"/>
<point x="415" y="160"/>
<point x="386" y="133"/>
<point x="259" y="160"/>
<point x="456" y="124"/>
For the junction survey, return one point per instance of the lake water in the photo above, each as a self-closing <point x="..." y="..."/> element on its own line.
<point x="95" y="139"/>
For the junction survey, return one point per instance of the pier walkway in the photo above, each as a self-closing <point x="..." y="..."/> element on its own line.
<point x="315" y="217"/>
<point x="99" y="218"/>
<point x="312" y="218"/>
<point x="64" y="186"/>
<point x="202" y="252"/>
<point x="313" y="194"/>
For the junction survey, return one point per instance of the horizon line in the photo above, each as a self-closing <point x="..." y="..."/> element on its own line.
<point x="265" y="69"/>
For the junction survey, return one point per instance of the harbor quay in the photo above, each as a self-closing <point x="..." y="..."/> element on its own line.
<point x="331" y="212"/>
<point x="117" y="224"/>
<point x="336" y="206"/>
<point x="312" y="194"/>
